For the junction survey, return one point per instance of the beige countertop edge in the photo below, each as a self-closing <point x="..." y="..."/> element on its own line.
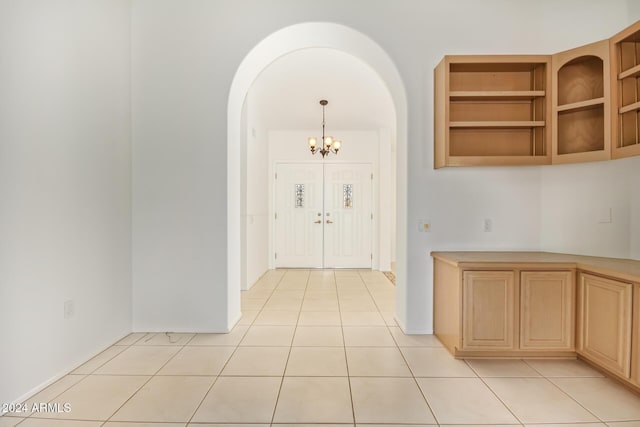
<point x="624" y="269"/>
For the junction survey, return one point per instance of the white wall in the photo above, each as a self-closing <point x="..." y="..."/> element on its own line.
<point x="64" y="186"/>
<point x="181" y="80"/>
<point x="257" y="197"/>
<point x="591" y="208"/>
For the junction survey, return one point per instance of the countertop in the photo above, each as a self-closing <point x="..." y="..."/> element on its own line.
<point x="625" y="269"/>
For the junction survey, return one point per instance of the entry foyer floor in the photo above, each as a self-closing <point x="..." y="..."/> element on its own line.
<point x="321" y="347"/>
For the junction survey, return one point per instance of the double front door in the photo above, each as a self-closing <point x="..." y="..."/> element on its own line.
<point x="323" y="216"/>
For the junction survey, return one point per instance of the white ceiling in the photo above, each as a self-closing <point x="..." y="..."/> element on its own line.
<point x="287" y="93"/>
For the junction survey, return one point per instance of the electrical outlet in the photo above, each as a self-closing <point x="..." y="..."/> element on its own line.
<point x="424" y="225"/>
<point x="69" y="309"/>
<point x="488" y="225"/>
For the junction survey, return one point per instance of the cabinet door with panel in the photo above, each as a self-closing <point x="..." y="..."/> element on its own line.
<point x="581" y="99"/>
<point x="547" y="310"/>
<point x="635" y="352"/>
<point x="604" y="319"/>
<point x="488" y="310"/>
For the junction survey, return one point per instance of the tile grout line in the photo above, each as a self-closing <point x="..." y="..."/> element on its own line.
<point x="433" y="414"/>
<point x="494" y="393"/>
<point x="235" y="349"/>
<point x="344" y="342"/>
<point x="275" y="407"/>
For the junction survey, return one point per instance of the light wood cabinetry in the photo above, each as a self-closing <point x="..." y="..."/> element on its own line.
<point x="604" y="319"/>
<point x="547" y="310"/>
<point x="488" y="310"/>
<point x="625" y="81"/>
<point x="580" y="105"/>
<point x="635" y="351"/>
<point x="581" y="119"/>
<point x="492" y="110"/>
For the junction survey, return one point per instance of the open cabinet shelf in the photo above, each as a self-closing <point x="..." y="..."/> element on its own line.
<point x="625" y="69"/>
<point x="495" y="110"/>
<point x="581" y="104"/>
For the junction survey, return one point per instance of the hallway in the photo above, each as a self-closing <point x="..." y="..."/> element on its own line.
<point x="316" y="347"/>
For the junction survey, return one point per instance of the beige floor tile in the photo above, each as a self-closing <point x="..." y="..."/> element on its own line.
<point x="572" y="425"/>
<point x="414" y="340"/>
<point x="395" y="425"/>
<point x="291" y="285"/>
<point x="270" y="336"/>
<point x="389" y="400"/>
<point x="315" y="425"/>
<point x="319" y="318"/>
<point x="607" y="399"/>
<point x="366" y="305"/>
<point x="126" y="424"/>
<point x="288" y="294"/>
<point x="96" y="397"/>
<point x="230" y="425"/>
<point x="624" y="424"/>
<point x="314" y="400"/>
<point x="233" y="338"/>
<point x="196" y="360"/>
<point x="257" y="293"/>
<point x="435" y="362"/>
<point x="99" y="360"/>
<point x="282" y="304"/>
<point x="320" y="305"/>
<point x="376" y="362"/>
<point x="319" y="336"/>
<point x="367" y="336"/>
<point x="502" y="368"/>
<point x="172" y="399"/>
<point x="277" y="317"/>
<point x="131" y="338"/>
<point x="138" y="360"/>
<point x="464" y="401"/>
<point x="230" y="397"/>
<point x="563" y="368"/>
<point x="537" y="400"/>
<point x="54" y="390"/>
<point x="7" y="421"/>
<point x="389" y="318"/>
<point x="166" y="338"/>
<point x="248" y="316"/>
<point x="252" y="304"/>
<point x="257" y="361"/>
<point x="317" y="362"/>
<point x="40" y="422"/>
<point x="362" y="318"/>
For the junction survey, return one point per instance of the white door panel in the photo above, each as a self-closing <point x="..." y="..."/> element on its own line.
<point x="347" y="230"/>
<point x="299" y="216"/>
<point x="328" y="222"/>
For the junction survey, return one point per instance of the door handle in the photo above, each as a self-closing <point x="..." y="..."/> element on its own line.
<point x="317" y="222"/>
<point x="329" y="221"/>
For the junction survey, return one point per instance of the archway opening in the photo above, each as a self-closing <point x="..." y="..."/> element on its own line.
<point x="275" y="46"/>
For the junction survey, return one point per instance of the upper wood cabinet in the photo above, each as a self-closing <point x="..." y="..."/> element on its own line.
<point x="581" y="98"/>
<point x="492" y="110"/>
<point x="625" y="83"/>
<point x="604" y="322"/>
<point x="580" y="105"/>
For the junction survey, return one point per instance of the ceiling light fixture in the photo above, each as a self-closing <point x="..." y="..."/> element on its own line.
<point x="329" y="145"/>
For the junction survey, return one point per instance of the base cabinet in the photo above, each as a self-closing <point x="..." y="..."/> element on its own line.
<point x="488" y="310"/>
<point x="635" y="351"/>
<point x="605" y="318"/>
<point x="547" y="310"/>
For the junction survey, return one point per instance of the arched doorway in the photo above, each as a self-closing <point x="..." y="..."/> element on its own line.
<point x="282" y="42"/>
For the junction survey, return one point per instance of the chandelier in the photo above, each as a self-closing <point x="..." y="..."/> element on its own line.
<point x="328" y="144"/>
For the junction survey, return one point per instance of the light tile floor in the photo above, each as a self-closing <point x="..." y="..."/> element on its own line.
<point x="318" y="348"/>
